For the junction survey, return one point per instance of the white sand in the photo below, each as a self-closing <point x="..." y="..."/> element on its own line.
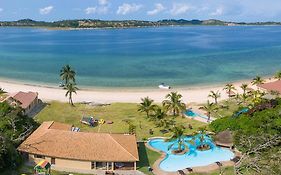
<point x="196" y="95"/>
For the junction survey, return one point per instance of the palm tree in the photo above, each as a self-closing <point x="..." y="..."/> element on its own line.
<point x="229" y="88"/>
<point x="174" y="103"/>
<point x="2" y="91"/>
<point x="178" y="138"/>
<point x="258" y="80"/>
<point x="209" y="108"/>
<point x="160" y="116"/>
<point x="146" y="106"/>
<point x="257" y="96"/>
<point x="71" y="88"/>
<point x="215" y="95"/>
<point x="67" y="74"/>
<point x="277" y="75"/>
<point x="244" y="87"/>
<point x="202" y="139"/>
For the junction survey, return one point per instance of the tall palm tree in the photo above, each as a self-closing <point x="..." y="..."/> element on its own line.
<point x="202" y="137"/>
<point x="277" y="75"/>
<point x="215" y="95"/>
<point x="67" y="74"/>
<point x="71" y="88"/>
<point x="244" y="87"/>
<point x="174" y="103"/>
<point x="178" y="138"/>
<point x="229" y="88"/>
<point x="209" y="108"/>
<point x="258" y="80"/>
<point x="146" y="106"/>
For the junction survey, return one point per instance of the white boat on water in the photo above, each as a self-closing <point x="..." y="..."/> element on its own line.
<point x="163" y="86"/>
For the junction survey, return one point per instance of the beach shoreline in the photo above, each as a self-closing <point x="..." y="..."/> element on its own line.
<point x="196" y="94"/>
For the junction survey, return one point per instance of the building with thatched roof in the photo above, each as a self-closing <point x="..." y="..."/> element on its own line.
<point x="65" y="149"/>
<point x="224" y="139"/>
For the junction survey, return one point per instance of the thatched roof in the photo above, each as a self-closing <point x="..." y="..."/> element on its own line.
<point x="224" y="138"/>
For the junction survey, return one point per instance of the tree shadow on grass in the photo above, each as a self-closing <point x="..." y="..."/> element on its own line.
<point x="144" y="161"/>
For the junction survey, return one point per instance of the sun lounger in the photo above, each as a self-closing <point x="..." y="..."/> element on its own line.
<point x="219" y="163"/>
<point x="180" y="172"/>
<point x="190" y="170"/>
<point x="235" y="159"/>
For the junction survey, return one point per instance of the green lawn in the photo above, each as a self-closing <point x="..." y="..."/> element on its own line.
<point x="116" y="112"/>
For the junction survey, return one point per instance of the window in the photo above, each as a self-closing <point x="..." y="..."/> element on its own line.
<point x="39" y="156"/>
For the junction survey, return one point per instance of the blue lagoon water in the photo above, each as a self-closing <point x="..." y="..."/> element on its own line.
<point x="141" y="57"/>
<point x="192" y="158"/>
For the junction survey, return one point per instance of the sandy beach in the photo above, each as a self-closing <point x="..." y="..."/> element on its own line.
<point x="48" y="93"/>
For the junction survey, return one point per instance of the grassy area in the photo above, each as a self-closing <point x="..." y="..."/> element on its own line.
<point x="28" y="170"/>
<point x="116" y="112"/>
<point x="147" y="158"/>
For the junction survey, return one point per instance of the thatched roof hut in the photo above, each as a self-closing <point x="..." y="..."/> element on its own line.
<point x="224" y="139"/>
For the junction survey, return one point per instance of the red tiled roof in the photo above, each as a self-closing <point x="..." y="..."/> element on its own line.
<point x="25" y="98"/>
<point x="272" y="86"/>
<point x="87" y="146"/>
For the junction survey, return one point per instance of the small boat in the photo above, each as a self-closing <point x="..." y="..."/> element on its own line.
<point x="163" y="86"/>
<point x="61" y="84"/>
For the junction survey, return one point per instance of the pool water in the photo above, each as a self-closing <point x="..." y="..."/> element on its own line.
<point x="192" y="114"/>
<point x="193" y="157"/>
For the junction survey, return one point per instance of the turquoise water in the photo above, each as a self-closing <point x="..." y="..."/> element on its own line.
<point x="192" y="158"/>
<point x="141" y="57"/>
<point x="190" y="113"/>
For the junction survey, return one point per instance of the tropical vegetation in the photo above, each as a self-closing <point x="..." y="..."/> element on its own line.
<point x="229" y="88"/>
<point x="177" y="138"/>
<point x="174" y="103"/>
<point x="215" y="95"/>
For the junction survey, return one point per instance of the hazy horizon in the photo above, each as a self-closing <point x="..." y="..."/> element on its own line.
<point x="150" y="10"/>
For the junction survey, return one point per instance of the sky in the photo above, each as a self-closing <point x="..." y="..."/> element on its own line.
<point x="228" y="10"/>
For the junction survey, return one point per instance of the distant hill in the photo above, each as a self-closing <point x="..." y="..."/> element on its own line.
<point x="93" y="23"/>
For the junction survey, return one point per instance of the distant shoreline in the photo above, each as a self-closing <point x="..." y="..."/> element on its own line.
<point x="80" y="24"/>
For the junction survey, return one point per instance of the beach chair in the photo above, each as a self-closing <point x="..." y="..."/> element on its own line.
<point x="180" y="172"/>
<point x="190" y="170"/>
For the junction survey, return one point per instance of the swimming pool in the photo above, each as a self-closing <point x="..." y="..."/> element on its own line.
<point x="192" y="114"/>
<point x="192" y="158"/>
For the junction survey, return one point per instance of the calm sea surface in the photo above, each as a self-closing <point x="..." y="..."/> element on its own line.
<point x="141" y="57"/>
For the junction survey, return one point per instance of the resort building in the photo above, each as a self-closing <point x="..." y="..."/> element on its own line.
<point x="68" y="150"/>
<point x="26" y="100"/>
<point x="271" y="86"/>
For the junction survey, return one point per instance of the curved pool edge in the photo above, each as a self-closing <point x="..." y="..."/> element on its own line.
<point x="197" y="169"/>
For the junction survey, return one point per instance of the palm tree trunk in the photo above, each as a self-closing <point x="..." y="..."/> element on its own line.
<point x="174" y="111"/>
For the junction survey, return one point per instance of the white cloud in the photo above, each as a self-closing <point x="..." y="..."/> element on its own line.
<point x="46" y="10"/>
<point x="103" y="2"/>
<point x="219" y="11"/>
<point x="128" y="8"/>
<point x="158" y="8"/>
<point x="90" y="10"/>
<point x="180" y="8"/>
<point x="96" y="10"/>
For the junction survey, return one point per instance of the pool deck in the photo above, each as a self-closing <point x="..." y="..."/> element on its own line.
<point x="200" y="169"/>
